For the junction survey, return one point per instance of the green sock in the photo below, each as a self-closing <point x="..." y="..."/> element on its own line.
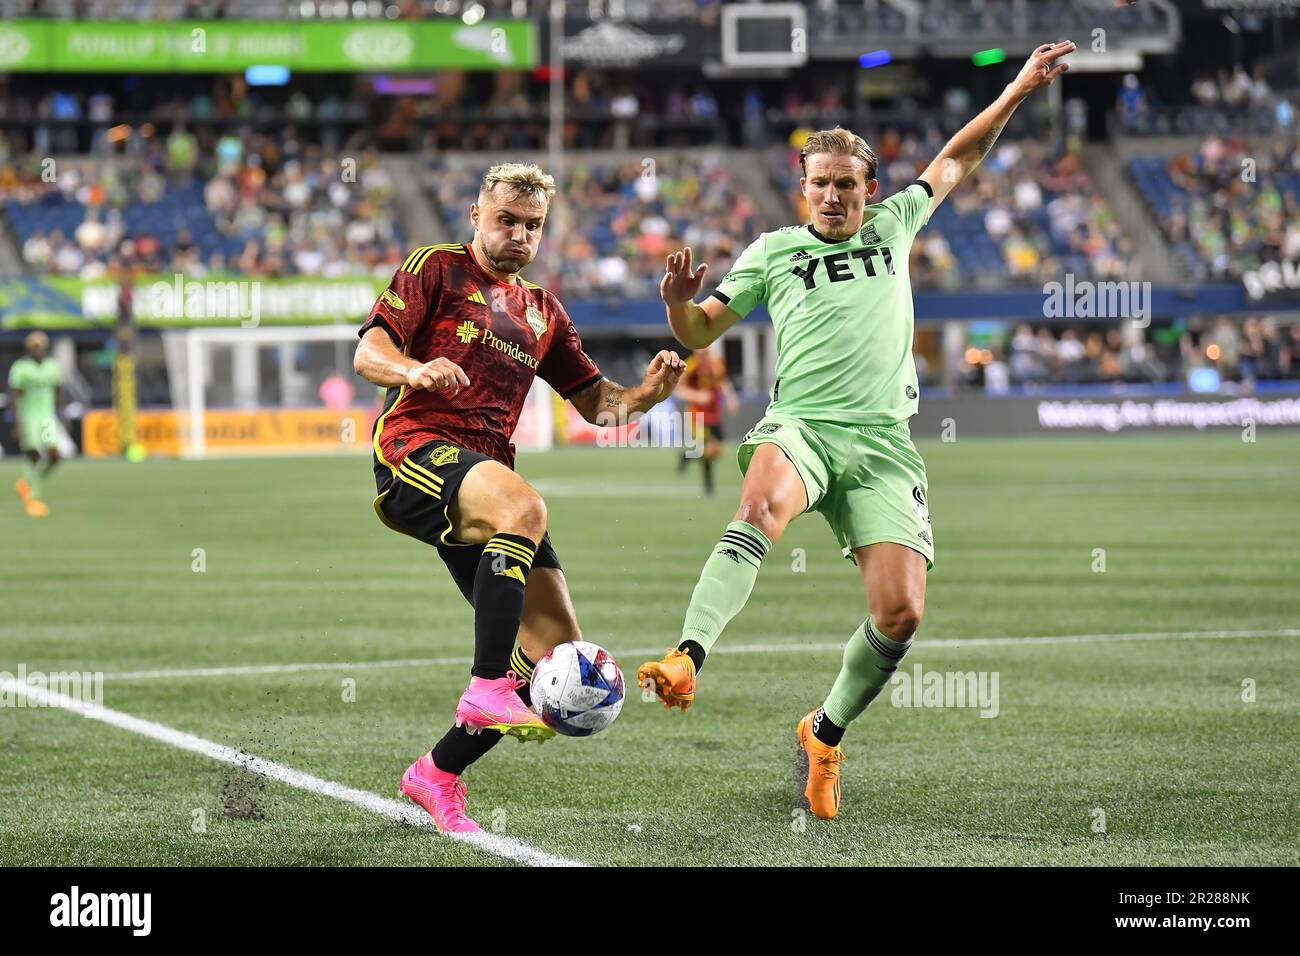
<point x="725" y="583"/>
<point x="870" y="660"/>
<point x="33" y="472"/>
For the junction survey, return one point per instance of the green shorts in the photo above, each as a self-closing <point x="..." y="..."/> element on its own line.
<point x="868" y="481"/>
<point x="37" y="431"/>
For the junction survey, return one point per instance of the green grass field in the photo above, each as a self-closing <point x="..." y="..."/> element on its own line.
<point x="1199" y="533"/>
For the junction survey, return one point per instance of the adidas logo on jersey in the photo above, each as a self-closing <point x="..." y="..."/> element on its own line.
<point x="477" y="296"/>
<point x="800" y="256"/>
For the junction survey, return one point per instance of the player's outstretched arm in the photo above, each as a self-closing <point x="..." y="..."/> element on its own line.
<point x="695" y="326"/>
<point x="378" y="360"/>
<point x="972" y="143"/>
<point x="605" y="402"/>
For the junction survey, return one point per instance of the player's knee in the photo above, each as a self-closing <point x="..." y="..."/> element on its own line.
<point x="527" y="516"/>
<point x="758" y="509"/>
<point x="899" y="619"/>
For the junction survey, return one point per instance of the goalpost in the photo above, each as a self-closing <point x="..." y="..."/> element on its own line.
<point x="288" y="390"/>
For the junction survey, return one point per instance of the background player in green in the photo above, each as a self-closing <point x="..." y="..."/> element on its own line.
<point x="34" y="388"/>
<point x="835" y="438"/>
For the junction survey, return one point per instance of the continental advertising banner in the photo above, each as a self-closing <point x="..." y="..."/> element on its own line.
<point x="228" y="45"/>
<point x="62" y="302"/>
<point x="266" y="431"/>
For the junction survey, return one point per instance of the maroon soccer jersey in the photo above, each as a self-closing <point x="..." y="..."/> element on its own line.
<point x="503" y="335"/>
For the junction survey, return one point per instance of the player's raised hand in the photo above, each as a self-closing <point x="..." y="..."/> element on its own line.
<point x="681" y="283"/>
<point x="663" y="372"/>
<point x="441" y="374"/>
<point x="1042" y="67"/>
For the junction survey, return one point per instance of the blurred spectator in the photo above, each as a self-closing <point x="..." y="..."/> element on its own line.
<point x="619" y="221"/>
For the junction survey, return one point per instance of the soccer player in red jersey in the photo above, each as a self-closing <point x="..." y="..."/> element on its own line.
<point x="457" y="339"/>
<point x="705" y="388"/>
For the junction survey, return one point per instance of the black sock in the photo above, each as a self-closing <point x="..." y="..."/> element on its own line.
<point x="695" y="652"/>
<point x="458" y="748"/>
<point x="708" y="476"/>
<point x="826" y="730"/>
<point x="523" y="668"/>
<point x="499" y="601"/>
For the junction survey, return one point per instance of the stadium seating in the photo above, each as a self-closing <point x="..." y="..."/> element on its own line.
<point x="264" y="213"/>
<point x="1218" y="223"/>
<point x="621" y="222"/>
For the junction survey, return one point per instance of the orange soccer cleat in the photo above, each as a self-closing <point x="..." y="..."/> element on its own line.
<point x="822" y="787"/>
<point x="36" y="509"/>
<point x="24" y="489"/>
<point x="672" y="678"/>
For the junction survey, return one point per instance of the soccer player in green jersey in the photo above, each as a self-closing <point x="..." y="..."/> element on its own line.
<point x="34" y="391"/>
<point x="835" y="438"/>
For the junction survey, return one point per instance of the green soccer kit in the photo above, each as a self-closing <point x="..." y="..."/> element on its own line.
<point x="39" y="383"/>
<point x="845" y="377"/>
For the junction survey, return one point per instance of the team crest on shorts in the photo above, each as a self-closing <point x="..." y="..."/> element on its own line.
<point x="444" y="455"/>
<point x="920" y="510"/>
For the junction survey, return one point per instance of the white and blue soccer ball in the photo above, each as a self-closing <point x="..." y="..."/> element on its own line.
<point x="577" y="689"/>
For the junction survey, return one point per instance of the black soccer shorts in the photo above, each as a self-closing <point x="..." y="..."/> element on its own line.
<point x="416" y="499"/>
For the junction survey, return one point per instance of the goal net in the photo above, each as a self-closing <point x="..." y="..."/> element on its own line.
<point x="288" y="390"/>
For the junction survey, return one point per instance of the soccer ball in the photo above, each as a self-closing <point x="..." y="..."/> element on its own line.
<point x="577" y="689"/>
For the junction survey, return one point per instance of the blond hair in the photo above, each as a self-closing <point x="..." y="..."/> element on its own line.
<point x="522" y="179"/>
<point x="839" y="141"/>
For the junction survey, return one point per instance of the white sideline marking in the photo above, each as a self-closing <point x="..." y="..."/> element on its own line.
<point x="502" y="846"/>
<point x="790" y="648"/>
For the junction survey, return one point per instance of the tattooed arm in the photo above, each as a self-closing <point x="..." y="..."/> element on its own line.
<point x="605" y="402"/>
<point x="973" y="142"/>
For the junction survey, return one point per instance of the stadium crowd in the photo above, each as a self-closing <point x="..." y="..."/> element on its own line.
<point x="1240" y="351"/>
<point x="1236" y="205"/>
<point x="620" y="220"/>
<point x="1233" y="99"/>
<point x="1029" y="214"/>
<point x="250" y="204"/>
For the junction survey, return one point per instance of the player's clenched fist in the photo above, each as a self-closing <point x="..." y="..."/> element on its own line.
<point x="663" y="372"/>
<point x="439" y="375"/>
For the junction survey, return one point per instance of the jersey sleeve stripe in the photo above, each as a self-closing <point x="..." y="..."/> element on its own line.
<point x="721" y="297"/>
<point x="406" y="266"/>
<point x="924" y="185"/>
<point x="379" y="424"/>
<point x="416" y="260"/>
<point x="422" y="259"/>
<point x="578" y="386"/>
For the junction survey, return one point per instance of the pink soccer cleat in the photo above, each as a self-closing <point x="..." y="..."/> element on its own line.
<point x="440" y="793"/>
<point x="495" y="705"/>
